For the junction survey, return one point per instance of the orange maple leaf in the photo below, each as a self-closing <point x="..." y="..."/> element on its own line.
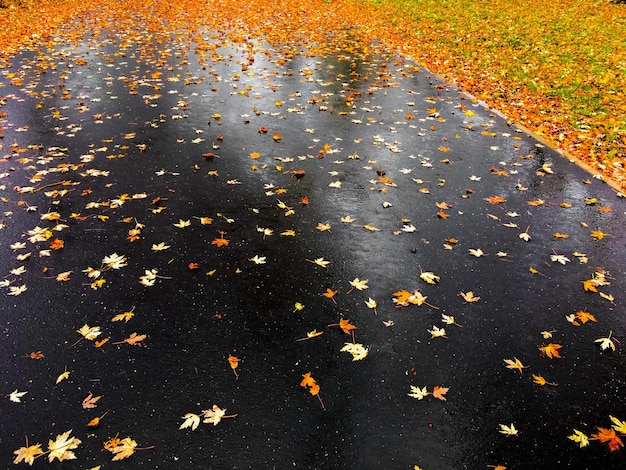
<point x="439" y="392"/>
<point x="608" y="436"/>
<point x="307" y="380"/>
<point x="134" y="339"/>
<point x="584" y="316"/>
<point x="598" y="234"/>
<point x="330" y="294"/>
<point x="57" y="244"/>
<point x="495" y="199"/>
<point x="551" y="350"/>
<point x="220" y="242"/>
<point x="346" y="326"/>
<point x="402" y="297"/>
<point x="233" y="361"/>
<point x="590" y="285"/>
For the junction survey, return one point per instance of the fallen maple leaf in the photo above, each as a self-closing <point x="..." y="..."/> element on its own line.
<point x="508" y="430"/>
<point x="358" y="284"/>
<point x="192" y="421"/>
<point x="320" y="262"/>
<point x="418" y="393"/>
<point x="57" y="244"/>
<point x="311" y="334"/>
<point x="61" y="447"/>
<point x="358" y="351"/>
<point x="89" y="332"/>
<point x="134" y="339"/>
<point x="160" y="246"/>
<point x="590" y="285"/>
<point x="551" y="350"/>
<point x="404" y="298"/>
<point x="28" y="454"/>
<point x="495" y="199"/>
<point x="330" y="294"/>
<point x="123" y="448"/>
<point x="371" y="303"/>
<point x="580" y="438"/>
<point x="124" y="316"/>
<point x="585" y="316"/>
<point x="15" y="396"/>
<point x="234" y="363"/>
<point x="598" y="234"/>
<point x="346" y="326"/>
<point x="90" y="401"/>
<point x="439" y="392"/>
<point x="437" y="332"/>
<point x="606" y="343"/>
<point x="539" y="380"/>
<point x="429" y="277"/>
<point x="220" y="242"/>
<point x="515" y="364"/>
<point x="608" y="436"/>
<point x="469" y="297"/>
<point x="65" y="375"/>
<point x="323" y="227"/>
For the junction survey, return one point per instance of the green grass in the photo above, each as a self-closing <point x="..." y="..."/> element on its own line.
<point x="572" y="51"/>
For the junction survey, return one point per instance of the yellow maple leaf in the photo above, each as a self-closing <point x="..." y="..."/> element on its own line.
<point x="124" y="316"/>
<point x="469" y="297"/>
<point x="580" y="437"/>
<point x="515" y="364"/>
<point x="65" y="375"/>
<point x="598" y="234"/>
<point x="89" y="332"/>
<point x="358" y="284"/>
<point x="28" y="454"/>
<point x="61" y="447"/>
<point x="124" y="449"/>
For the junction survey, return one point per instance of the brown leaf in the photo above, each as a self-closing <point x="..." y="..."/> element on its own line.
<point x="90" y="401"/>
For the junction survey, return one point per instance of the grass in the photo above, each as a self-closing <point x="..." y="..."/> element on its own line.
<point x="566" y="59"/>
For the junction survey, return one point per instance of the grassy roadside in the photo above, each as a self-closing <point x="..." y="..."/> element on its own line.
<point x="558" y="68"/>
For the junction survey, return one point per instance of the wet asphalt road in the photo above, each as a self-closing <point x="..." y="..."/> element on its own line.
<point x="401" y="175"/>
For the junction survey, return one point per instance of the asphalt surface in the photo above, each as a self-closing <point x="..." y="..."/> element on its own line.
<point x="139" y="169"/>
